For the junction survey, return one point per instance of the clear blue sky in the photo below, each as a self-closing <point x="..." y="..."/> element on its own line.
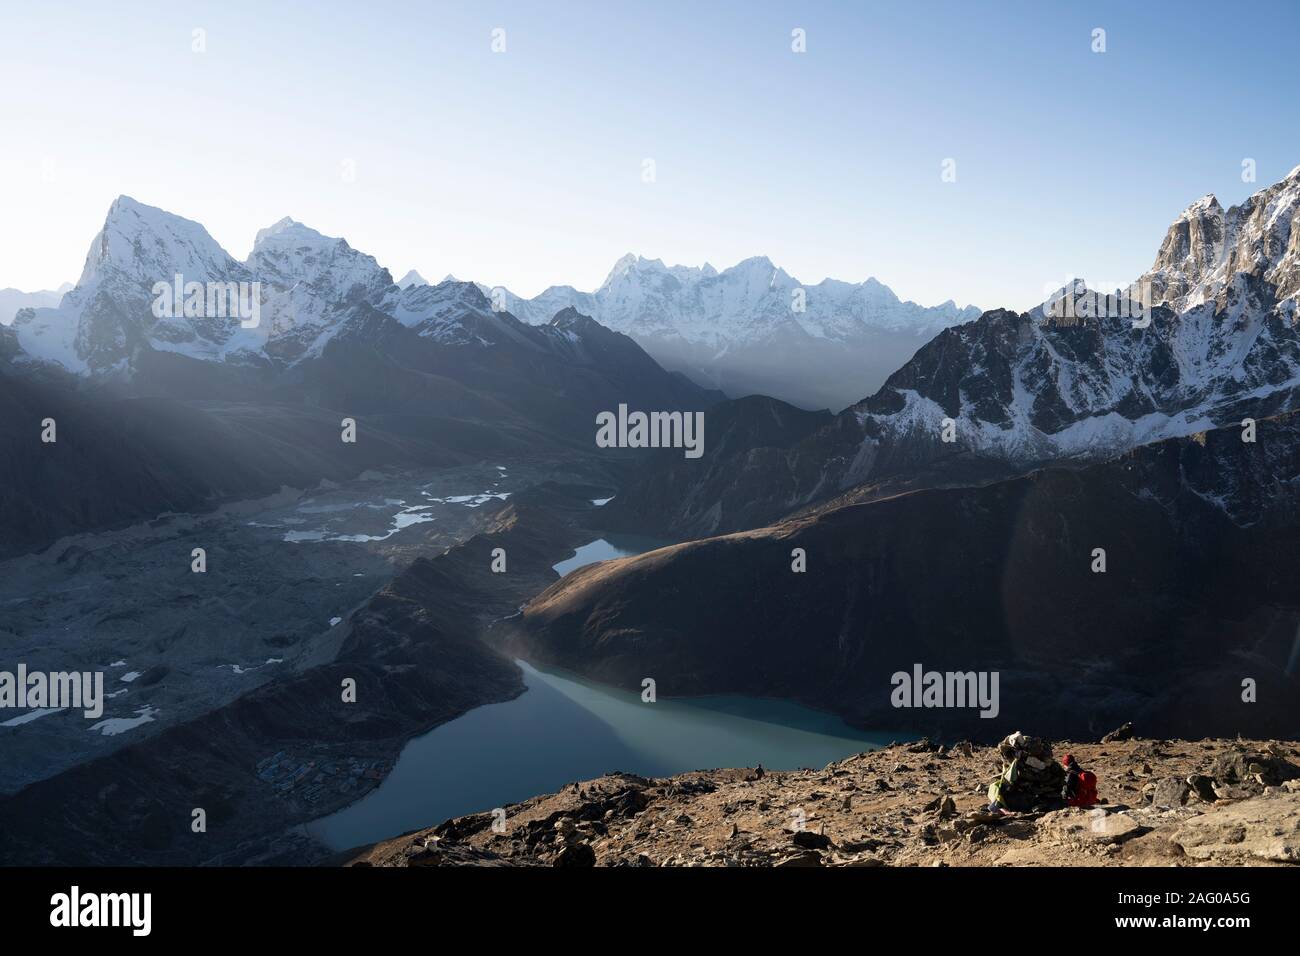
<point x="525" y="168"/>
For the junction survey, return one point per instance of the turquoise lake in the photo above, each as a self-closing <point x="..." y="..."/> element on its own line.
<point x="564" y="728"/>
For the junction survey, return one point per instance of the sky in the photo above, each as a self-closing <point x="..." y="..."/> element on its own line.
<point x="398" y="127"/>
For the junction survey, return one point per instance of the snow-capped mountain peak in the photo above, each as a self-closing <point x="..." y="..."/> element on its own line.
<point x="296" y="287"/>
<point x="296" y="251"/>
<point x="285" y="230"/>
<point x="113" y="310"/>
<point x="1221" y="345"/>
<point x="624" y="264"/>
<point x="414" y="278"/>
<point x="1203" y="205"/>
<point x="313" y="280"/>
<point x="1208" y="245"/>
<point x="146" y="244"/>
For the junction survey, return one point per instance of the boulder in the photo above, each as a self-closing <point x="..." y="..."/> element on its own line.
<point x="1170" y="792"/>
<point x="1123" y="732"/>
<point x="810" y="840"/>
<point x="1231" y="792"/>
<point x="1089" y="826"/>
<point x="576" y="855"/>
<point x="947" y="808"/>
<point x="1262" y="828"/>
<point x="1251" y="769"/>
<point x="1203" y="787"/>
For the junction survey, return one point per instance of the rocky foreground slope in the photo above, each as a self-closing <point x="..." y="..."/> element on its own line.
<point x="1168" y="803"/>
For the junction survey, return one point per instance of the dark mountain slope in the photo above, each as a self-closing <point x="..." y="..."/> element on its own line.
<point x="119" y="460"/>
<point x="551" y="379"/>
<point x="1201" y="536"/>
<point x="1020" y="392"/>
<point x="185" y="433"/>
<point x="733" y="484"/>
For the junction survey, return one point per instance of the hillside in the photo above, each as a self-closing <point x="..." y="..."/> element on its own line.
<point x="1199" y="536"/>
<point x="891" y="807"/>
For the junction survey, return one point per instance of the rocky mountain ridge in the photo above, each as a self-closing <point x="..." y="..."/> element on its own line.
<point x="1167" y="803"/>
<point x="1208" y="246"/>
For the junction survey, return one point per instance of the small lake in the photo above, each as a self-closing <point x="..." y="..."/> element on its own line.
<point x="563" y="729"/>
<point x="610" y="546"/>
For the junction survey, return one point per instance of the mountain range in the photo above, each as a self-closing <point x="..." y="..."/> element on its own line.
<point x="753" y="328"/>
<point x="432" y="374"/>
<point x="1026" y="389"/>
<point x="748" y="329"/>
<point x="739" y="330"/>
<point x="951" y="518"/>
<point x="313" y="289"/>
<point x="1170" y="445"/>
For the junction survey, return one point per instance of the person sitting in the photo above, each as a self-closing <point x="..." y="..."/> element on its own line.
<point x="1080" y="788"/>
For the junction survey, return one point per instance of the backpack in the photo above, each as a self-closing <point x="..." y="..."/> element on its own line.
<point x="1080" y="787"/>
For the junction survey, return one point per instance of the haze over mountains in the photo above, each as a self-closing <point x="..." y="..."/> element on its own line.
<point x="11" y="300"/>
<point x="753" y="328"/>
<point x="433" y="375"/>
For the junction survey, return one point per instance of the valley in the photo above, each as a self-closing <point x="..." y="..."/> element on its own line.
<point x="553" y="436"/>
<point x="393" y="553"/>
<point x="256" y="733"/>
<point x="280" y="575"/>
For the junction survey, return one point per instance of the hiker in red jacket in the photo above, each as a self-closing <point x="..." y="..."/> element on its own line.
<point x="1080" y="789"/>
